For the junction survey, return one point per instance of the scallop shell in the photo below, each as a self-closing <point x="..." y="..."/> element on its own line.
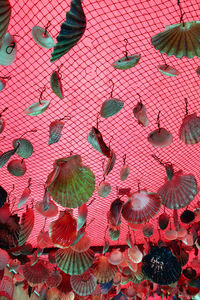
<point x="167" y="70"/>
<point x="50" y="212"/>
<point x="189" y="131"/>
<point x="161" y="266"/>
<point x="179" y="191"/>
<point x="42" y="37"/>
<point x="70" y="183"/>
<point x="179" y="40"/>
<point x="110" y="163"/>
<point x="103" y="270"/>
<point x="24" y="197"/>
<point x="181" y="233"/>
<point x="65" y="285"/>
<point x="55" y="130"/>
<point x="104" y="189"/>
<point x="139" y="112"/>
<point x="114" y="233"/>
<point x="54" y="279"/>
<point x="82" y="216"/>
<point x="63" y="231"/>
<point x="105" y="287"/>
<point x="170" y="235"/>
<point x="183" y="257"/>
<point x="115" y="257"/>
<point x="35" y="274"/>
<point x="135" y="254"/>
<point x="124" y="172"/>
<point x="4" y="259"/>
<point x="7" y="288"/>
<point x="91" y="138"/>
<point x="17" y="167"/>
<point x="44" y="240"/>
<point x="26" y="226"/>
<point x="163" y="221"/>
<point x="83" y="244"/>
<point x="5" y="213"/>
<point x="141" y="207"/>
<point x="8" y="50"/>
<point x="71" y="32"/>
<point x="84" y="284"/>
<point x="148" y="230"/>
<point x="37" y="108"/>
<point x="54" y="294"/>
<point x="5" y="13"/>
<point x="111" y="107"/>
<point x="56" y="84"/>
<point x="4" y="158"/>
<point x="189" y="273"/>
<point x="126" y="62"/>
<point x="25" y="148"/>
<point x="72" y="262"/>
<point x="160" y="138"/>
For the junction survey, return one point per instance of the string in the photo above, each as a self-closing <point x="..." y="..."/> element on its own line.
<point x="158" y="121"/>
<point x="186" y="106"/>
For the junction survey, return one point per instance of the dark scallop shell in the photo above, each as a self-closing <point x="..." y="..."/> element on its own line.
<point x="71" y="32"/>
<point x="161" y="266"/>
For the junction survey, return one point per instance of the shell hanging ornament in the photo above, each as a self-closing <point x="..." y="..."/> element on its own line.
<point x="160" y="137"/>
<point x="125" y="170"/>
<point x="4" y="158"/>
<point x="42" y="37"/>
<point x="2" y="122"/>
<point x="104" y="189"/>
<point x="26" y="226"/>
<point x="55" y="131"/>
<point x="71" y="32"/>
<point x="25" y="147"/>
<point x="114" y="214"/>
<point x="39" y="107"/>
<point x="25" y="195"/>
<point x="110" y="163"/>
<point x="189" y="131"/>
<point x="139" y="112"/>
<point x="56" y="84"/>
<point x="17" y="167"/>
<point x="179" y="190"/>
<point x="71" y="184"/>
<point x="5" y="13"/>
<point x="128" y="61"/>
<point x="111" y="106"/>
<point x="8" y="50"/>
<point x="163" y="221"/>
<point x="167" y="70"/>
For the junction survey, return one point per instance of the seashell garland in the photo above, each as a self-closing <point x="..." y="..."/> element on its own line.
<point x="179" y="40"/>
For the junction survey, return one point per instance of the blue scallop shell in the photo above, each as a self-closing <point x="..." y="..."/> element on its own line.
<point x="105" y="287"/>
<point x="161" y="266"/>
<point x="71" y="32"/>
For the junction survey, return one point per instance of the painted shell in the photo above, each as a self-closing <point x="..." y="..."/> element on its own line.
<point x="63" y="231"/>
<point x="179" y="191"/>
<point x="49" y="211"/>
<point x="56" y="84"/>
<point x="55" y="130"/>
<point x="148" y="230"/>
<point x="179" y="40"/>
<point x="4" y="259"/>
<point x="163" y="221"/>
<point x="124" y="172"/>
<point x="84" y="284"/>
<point x="141" y="207"/>
<point x="26" y="226"/>
<point x="70" y="183"/>
<point x="139" y="112"/>
<point x="160" y="138"/>
<point x="35" y="274"/>
<point x="4" y="158"/>
<point x="161" y="266"/>
<point x="2" y="86"/>
<point x="24" y="197"/>
<point x="181" y="233"/>
<point x="135" y="254"/>
<point x="104" y="189"/>
<point x="25" y="148"/>
<point x="72" y="262"/>
<point x="71" y="32"/>
<point x="82" y="216"/>
<point x="44" y="240"/>
<point x="54" y="279"/>
<point x="189" y="131"/>
<point x="111" y="107"/>
<point x="115" y="257"/>
<point x="114" y="233"/>
<point x="8" y="50"/>
<point x="7" y="288"/>
<point x="42" y="37"/>
<point x="5" y="13"/>
<point x="103" y="270"/>
<point x="17" y="167"/>
<point x="83" y="244"/>
<point x="127" y="62"/>
<point x="170" y="235"/>
<point x="167" y="70"/>
<point x="37" y="108"/>
<point x="91" y="138"/>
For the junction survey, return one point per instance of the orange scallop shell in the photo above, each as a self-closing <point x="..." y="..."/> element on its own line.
<point x="103" y="270"/>
<point x="83" y="244"/>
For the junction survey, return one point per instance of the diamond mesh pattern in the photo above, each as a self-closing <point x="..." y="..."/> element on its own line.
<point x="86" y="74"/>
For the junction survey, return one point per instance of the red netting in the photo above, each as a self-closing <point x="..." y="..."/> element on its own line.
<point x="86" y="74"/>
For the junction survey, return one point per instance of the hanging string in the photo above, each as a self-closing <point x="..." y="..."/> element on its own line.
<point x="186" y="106"/>
<point x="124" y="159"/>
<point x="161" y="161"/>
<point x="46" y="27"/>
<point x="111" y="94"/>
<point x="68" y="117"/>
<point x="29" y="182"/>
<point x="41" y="94"/>
<point x="139" y="97"/>
<point x="181" y="12"/>
<point x="3" y="111"/>
<point x="93" y="199"/>
<point x="45" y="220"/>
<point x="138" y="185"/>
<point x="11" y="47"/>
<point x="164" y="60"/>
<point x="158" y="121"/>
<point x="33" y="130"/>
<point x="126" y="51"/>
<point x="97" y="125"/>
<point x="13" y="187"/>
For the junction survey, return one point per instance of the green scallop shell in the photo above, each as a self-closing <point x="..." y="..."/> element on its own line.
<point x="111" y="107"/>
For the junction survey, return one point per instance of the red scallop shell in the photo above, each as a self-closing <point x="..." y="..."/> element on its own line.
<point x="35" y="274"/>
<point x="26" y="226"/>
<point x="54" y="279"/>
<point x="84" y="284"/>
<point x="63" y="231"/>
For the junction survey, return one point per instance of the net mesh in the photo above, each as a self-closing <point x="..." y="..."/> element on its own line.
<point x="88" y="77"/>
